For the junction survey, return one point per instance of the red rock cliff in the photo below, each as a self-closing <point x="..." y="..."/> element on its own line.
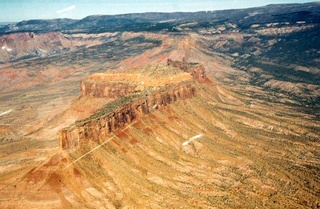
<point x="195" y="69"/>
<point x="98" y="128"/>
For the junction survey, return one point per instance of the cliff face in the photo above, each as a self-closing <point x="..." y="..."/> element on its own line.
<point x="98" y="128"/>
<point x="122" y="84"/>
<point x="151" y="86"/>
<point x="195" y="69"/>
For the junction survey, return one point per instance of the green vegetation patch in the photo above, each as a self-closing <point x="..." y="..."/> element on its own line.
<point x="111" y="107"/>
<point x="156" y="70"/>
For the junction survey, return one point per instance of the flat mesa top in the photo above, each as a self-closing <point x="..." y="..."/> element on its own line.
<point x="149" y="75"/>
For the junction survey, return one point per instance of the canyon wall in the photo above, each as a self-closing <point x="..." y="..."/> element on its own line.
<point x="98" y="128"/>
<point x="195" y="69"/>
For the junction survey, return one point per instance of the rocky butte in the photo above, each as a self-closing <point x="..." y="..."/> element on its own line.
<point x="136" y="92"/>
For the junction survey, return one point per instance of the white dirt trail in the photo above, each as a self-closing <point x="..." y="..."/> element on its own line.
<point x="191" y="139"/>
<point x="6" y="112"/>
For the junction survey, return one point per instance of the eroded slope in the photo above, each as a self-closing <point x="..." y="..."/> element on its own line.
<point x="241" y="156"/>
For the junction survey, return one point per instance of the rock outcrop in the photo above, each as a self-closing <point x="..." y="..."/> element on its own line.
<point x="115" y="85"/>
<point x="136" y="93"/>
<point x="121" y="112"/>
<point x="195" y="69"/>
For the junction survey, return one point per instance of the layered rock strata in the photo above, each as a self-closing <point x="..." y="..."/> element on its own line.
<point x="114" y="85"/>
<point x="122" y="111"/>
<point x="195" y="69"/>
<point x="136" y="92"/>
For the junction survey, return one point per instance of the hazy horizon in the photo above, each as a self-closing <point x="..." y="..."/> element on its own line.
<point x="19" y="10"/>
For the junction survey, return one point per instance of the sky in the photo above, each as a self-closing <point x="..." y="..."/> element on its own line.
<point x="18" y="10"/>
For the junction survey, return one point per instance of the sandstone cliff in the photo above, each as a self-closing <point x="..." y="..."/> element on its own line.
<point x="120" y="112"/>
<point x="137" y="92"/>
<point x="114" y="85"/>
<point x="195" y="69"/>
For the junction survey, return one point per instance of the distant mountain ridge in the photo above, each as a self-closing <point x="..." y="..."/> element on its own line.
<point x="156" y="21"/>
